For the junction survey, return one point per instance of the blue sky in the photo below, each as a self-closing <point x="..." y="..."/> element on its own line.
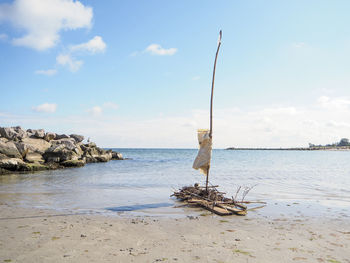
<point x="138" y="73"/>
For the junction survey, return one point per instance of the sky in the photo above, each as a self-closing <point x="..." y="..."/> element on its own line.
<point x="138" y="73"/>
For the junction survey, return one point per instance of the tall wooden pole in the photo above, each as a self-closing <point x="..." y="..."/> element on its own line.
<point x="211" y="103"/>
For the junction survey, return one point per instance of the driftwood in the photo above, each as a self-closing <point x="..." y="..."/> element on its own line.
<point x="212" y="200"/>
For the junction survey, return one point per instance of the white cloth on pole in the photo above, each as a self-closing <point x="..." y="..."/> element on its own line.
<point x="202" y="161"/>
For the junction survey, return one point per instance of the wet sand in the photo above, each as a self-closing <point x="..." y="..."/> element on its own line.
<point x="32" y="235"/>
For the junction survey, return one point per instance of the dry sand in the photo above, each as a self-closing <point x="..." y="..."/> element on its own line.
<point x="30" y="235"/>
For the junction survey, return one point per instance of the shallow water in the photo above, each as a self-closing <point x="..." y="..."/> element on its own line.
<point x="285" y="179"/>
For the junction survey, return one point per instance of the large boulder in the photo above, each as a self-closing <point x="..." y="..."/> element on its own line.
<point x="9" y="149"/>
<point x="39" y="133"/>
<point x="17" y="165"/>
<point x="30" y="132"/>
<point x="8" y="133"/>
<point x="89" y="159"/>
<point x="35" y="145"/>
<point x="105" y="157"/>
<point x="50" y="136"/>
<point x="34" y="157"/>
<point x="22" y="148"/>
<point x="3" y="139"/>
<point x="73" y="163"/>
<point x="3" y="156"/>
<point x="77" y="138"/>
<point x="117" y="156"/>
<point x="68" y="143"/>
<point x="20" y="132"/>
<point x="13" y="164"/>
<point x="59" y="153"/>
<point x="90" y="145"/>
<point x="95" y="154"/>
<point x="61" y="136"/>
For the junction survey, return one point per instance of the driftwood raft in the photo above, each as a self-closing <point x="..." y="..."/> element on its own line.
<point x="212" y="200"/>
<point x="207" y="196"/>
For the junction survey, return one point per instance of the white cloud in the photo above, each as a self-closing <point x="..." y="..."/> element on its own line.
<point x="95" y="111"/>
<point x="46" y="107"/>
<point x="44" y="20"/>
<point x="95" y="45"/>
<point x="155" y="49"/>
<point x="196" y="78"/>
<point x="47" y="72"/>
<point x="110" y="105"/>
<point x="339" y="103"/>
<point x="70" y="62"/>
<point x="3" y="37"/>
<point x="262" y="127"/>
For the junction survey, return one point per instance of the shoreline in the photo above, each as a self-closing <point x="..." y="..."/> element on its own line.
<point x="37" y="235"/>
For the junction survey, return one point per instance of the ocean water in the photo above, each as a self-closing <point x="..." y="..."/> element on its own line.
<point x="316" y="181"/>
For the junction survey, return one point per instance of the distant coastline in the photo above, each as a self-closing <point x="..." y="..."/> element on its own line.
<point x="342" y="145"/>
<point x="325" y="148"/>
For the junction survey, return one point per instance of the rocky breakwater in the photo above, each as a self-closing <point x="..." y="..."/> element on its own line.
<point x="34" y="150"/>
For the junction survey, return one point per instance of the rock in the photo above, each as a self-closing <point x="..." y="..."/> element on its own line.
<point x="117" y="156"/>
<point x="20" y="132"/>
<point x="34" y="150"/>
<point x="94" y="151"/>
<point x="39" y="133"/>
<point x="3" y="156"/>
<point x="90" y="145"/>
<point x="90" y="159"/>
<point x="61" y="136"/>
<point x="55" y="148"/>
<point x="82" y="147"/>
<point x="103" y="157"/>
<point x="30" y="132"/>
<point x="34" y="157"/>
<point x="59" y="153"/>
<point x="32" y="167"/>
<point x="9" y="149"/>
<point x="8" y="133"/>
<point x="52" y="159"/>
<point x="13" y="164"/>
<point x="36" y="145"/>
<point x="22" y="148"/>
<point x="78" y="150"/>
<point x="77" y="138"/>
<point x="95" y="154"/>
<point x="69" y="143"/>
<point x="73" y="163"/>
<point x="2" y="139"/>
<point x="50" y="136"/>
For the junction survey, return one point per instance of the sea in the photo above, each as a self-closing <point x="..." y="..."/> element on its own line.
<point x="285" y="183"/>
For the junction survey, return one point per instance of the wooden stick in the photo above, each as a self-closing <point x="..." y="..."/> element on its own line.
<point x="254" y="208"/>
<point x="211" y="104"/>
<point x="209" y="186"/>
<point x="253" y="202"/>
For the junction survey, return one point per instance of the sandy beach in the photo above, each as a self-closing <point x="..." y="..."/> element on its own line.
<point x="30" y="235"/>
